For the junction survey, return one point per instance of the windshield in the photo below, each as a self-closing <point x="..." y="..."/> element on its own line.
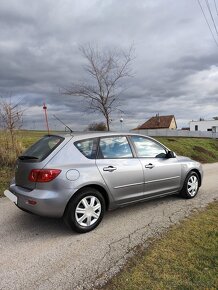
<point x="41" y="149"/>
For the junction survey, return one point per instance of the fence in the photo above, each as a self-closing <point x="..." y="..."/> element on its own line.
<point x="176" y="133"/>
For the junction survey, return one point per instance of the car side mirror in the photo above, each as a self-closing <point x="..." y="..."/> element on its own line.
<point x="170" y="154"/>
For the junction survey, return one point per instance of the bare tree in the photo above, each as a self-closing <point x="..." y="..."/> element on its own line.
<point x="107" y="69"/>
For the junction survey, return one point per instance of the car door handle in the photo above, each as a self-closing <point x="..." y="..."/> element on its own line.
<point x="149" y="165"/>
<point x="109" y="168"/>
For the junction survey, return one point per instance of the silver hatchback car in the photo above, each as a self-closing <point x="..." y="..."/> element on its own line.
<point x="79" y="176"/>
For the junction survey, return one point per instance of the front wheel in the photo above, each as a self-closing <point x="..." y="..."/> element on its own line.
<point x="191" y="185"/>
<point x="85" y="211"/>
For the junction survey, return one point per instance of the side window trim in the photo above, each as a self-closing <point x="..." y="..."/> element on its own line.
<point x="132" y="146"/>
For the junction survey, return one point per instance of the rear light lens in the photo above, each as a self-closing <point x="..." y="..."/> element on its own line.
<point x="31" y="202"/>
<point x="43" y="175"/>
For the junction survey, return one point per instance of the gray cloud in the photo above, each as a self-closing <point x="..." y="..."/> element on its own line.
<point x="175" y="65"/>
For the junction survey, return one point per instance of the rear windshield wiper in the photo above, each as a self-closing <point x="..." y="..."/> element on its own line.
<point x="23" y="157"/>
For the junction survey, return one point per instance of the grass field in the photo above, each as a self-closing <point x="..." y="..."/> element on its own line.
<point x="204" y="150"/>
<point x="200" y="149"/>
<point x="185" y="258"/>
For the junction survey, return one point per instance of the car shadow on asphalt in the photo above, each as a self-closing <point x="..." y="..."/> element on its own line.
<point x="39" y="225"/>
<point x="143" y="205"/>
<point x="33" y="225"/>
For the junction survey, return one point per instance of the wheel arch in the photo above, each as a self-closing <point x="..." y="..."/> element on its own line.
<point x="95" y="186"/>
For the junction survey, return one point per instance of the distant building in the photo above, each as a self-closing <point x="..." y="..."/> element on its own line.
<point x="204" y="125"/>
<point x="159" y="122"/>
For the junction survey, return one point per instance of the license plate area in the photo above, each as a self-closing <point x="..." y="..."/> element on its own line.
<point x="11" y="196"/>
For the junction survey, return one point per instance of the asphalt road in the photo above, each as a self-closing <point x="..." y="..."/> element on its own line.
<point x="41" y="253"/>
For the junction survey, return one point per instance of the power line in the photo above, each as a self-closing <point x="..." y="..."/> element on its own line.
<point x="215" y="7"/>
<point x="208" y="7"/>
<point x="207" y="23"/>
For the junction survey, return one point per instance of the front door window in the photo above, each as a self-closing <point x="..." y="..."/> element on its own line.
<point x="148" y="148"/>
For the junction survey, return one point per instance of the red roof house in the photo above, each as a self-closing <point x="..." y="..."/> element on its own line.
<point x="159" y="122"/>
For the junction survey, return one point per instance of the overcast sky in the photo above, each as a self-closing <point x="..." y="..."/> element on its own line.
<point x="175" y="66"/>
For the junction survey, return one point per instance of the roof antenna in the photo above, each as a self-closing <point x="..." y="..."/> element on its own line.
<point x="71" y="131"/>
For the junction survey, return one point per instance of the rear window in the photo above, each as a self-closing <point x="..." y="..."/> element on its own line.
<point x="42" y="148"/>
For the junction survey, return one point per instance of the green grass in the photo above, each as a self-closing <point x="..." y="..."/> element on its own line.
<point x="185" y="258"/>
<point x="204" y="150"/>
<point x="30" y="137"/>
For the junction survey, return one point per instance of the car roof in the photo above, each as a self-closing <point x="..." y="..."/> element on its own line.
<point x="77" y="136"/>
<point x="95" y="134"/>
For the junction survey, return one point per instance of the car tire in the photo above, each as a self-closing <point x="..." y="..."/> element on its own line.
<point x="191" y="186"/>
<point x="85" y="211"/>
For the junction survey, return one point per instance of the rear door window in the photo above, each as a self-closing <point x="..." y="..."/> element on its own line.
<point x="114" y="148"/>
<point x="41" y="149"/>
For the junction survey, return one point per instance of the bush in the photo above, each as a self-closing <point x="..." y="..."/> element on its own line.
<point x="10" y="149"/>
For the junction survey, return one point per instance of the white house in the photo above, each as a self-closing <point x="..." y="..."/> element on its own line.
<point x="204" y="125"/>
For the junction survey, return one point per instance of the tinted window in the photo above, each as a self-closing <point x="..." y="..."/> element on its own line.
<point x="42" y="148"/>
<point x="87" y="147"/>
<point x="148" y="148"/>
<point x="114" y="147"/>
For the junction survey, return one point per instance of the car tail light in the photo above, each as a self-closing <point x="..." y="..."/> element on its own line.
<point x="43" y="175"/>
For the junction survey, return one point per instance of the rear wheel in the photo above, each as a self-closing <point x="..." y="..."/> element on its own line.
<point x="191" y="185"/>
<point x="85" y="211"/>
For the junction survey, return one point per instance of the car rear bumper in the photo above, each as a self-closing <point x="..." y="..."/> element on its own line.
<point x="40" y="202"/>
